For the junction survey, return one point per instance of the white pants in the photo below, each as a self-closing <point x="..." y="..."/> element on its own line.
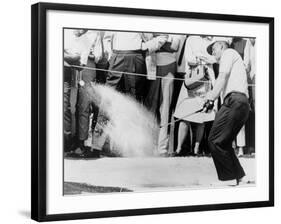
<point x="240" y="138"/>
<point x="167" y="88"/>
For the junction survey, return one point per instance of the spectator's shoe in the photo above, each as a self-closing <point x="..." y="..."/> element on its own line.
<point x="71" y="147"/>
<point x="190" y="154"/>
<point x="85" y="150"/>
<point x="207" y="155"/>
<point x="163" y="153"/>
<point x="199" y="155"/>
<point x="174" y="154"/>
<point x="96" y="153"/>
<point x="72" y="154"/>
<point x="88" y="153"/>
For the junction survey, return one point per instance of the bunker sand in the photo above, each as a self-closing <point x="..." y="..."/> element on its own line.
<point x="108" y="175"/>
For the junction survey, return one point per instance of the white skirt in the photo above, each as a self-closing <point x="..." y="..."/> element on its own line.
<point x="187" y="106"/>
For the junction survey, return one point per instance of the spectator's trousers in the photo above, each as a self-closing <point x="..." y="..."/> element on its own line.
<point x="131" y="62"/>
<point x="85" y="104"/>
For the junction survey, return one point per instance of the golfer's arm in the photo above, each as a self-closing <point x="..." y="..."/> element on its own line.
<point x="189" y="81"/>
<point x="219" y="85"/>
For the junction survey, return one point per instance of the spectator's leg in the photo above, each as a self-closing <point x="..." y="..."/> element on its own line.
<point x="199" y="135"/>
<point x="140" y="68"/>
<point x="167" y="93"/>
<point x="101" y="75"/>
<point x="67" y="122"/>
<point x="134" y="84"/>
<point x="241" y="141"/>
<point x="83" y="107"/>
<point x="116" y="63"/>
<point x="184" y="126"/>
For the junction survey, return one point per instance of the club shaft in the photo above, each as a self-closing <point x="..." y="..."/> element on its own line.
<point x="179" y="119"/>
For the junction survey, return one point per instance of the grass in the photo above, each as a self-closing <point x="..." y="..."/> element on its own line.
<point x="71" y="188"/>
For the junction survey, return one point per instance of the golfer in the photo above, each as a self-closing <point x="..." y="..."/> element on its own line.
<point x="231" y="85"/>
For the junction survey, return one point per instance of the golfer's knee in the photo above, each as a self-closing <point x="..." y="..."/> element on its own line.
<point x="212" y="143"/>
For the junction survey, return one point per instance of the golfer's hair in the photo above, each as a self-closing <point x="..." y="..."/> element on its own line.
<point x="223" y="44"/>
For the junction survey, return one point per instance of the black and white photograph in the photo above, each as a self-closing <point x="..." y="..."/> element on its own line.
<point x="157" y="111"/>
<point x="140" y="111"/>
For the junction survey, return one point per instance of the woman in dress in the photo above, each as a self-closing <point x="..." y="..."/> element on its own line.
<point x="199" y="78"/>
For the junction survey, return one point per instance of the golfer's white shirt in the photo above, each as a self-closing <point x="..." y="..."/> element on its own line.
<point x="231" y="62"/>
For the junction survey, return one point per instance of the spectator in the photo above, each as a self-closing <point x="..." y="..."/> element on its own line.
<point x="250" y="64"/>
<point x="199" y="67"/>
<point x="239" y="44"/>
<point x="78" y="43"/>
<point x="160" y="94"/>
<point x="127" y="57"/>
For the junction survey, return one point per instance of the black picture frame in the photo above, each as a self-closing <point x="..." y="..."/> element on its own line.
<point x="39" y="114"/>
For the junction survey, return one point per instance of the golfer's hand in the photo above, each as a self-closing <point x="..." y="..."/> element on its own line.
<point x="208" y="103"/>
<point x="208" y="106"/>
<point x="162" y="39"/>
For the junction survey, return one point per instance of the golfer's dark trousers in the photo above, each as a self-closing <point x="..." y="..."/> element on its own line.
<point x="131" y="62"/>
<point x="228" y="121"/>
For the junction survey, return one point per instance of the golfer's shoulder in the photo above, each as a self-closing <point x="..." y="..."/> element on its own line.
<point x="229" y="55"/>
<point x="229" y="52"/>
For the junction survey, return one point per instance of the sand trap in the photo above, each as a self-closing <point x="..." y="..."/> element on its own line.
<point x="151" y="174"/>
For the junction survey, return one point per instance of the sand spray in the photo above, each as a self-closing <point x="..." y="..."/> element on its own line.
<point x="131" y="128"/>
